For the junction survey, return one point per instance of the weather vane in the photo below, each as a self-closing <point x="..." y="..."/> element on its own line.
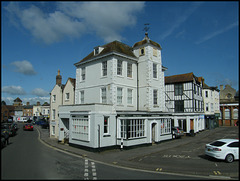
<point x="146" y="28"/>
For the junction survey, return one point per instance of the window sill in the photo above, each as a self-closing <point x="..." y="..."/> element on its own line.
<point x="106" y="135"/>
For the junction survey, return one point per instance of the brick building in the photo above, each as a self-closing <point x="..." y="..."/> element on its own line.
<point x="229" y="106"/>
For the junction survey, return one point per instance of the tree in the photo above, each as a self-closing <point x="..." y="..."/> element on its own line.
<point x="3" y="103"/>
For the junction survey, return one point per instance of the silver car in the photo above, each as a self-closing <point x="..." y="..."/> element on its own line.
<point x="177" y="132"/>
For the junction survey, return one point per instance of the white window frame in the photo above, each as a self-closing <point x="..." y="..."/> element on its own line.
<point x="54" y="98"/>
<point x="227" y="113"/>
<point x="136" y="128"/>
<point x="67" y="96"/>
<point x="104" y="68"/>
<point x="119" y="67"/>
<point x="119" y="95"/>
<point x="130" y="96"/>
<point x="106" y="125"/>
<point x="80" y="128"/>
<point x="235" y="113"/>
<point x="155" y="70"/>
<point x="81" y="97"/>
<point x="129" y="70"/>
<point x="155" y="97"/>
<point x="207" y="107"/>
<point x="104" y="95"/>
<point x="83" y="74"/>
<point x="165" y="125"/>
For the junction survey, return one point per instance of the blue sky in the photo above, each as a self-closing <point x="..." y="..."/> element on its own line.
<point x="38" y="38"/>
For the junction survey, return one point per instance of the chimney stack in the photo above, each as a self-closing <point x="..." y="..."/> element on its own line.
<point x="58" y="78"/>
<point x="28" y="103"/>
<point x="221" y="87"/>
<point x="38" y="103"/>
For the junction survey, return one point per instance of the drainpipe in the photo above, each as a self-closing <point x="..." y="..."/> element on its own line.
<point x="98" y="137"/>
<point x="137" y="89"/>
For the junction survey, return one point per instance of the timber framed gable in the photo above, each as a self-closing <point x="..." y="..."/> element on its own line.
<point x="183" y="93"/>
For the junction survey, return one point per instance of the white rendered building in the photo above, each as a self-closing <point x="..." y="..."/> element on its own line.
<point x="119" y="97"/>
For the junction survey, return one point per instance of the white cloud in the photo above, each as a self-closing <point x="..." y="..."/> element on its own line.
<point x="216" y="33"/>
<point x="181" y="19"/>
<point x="8" y="100"/>
<point x="73" y="19"/>
<point x="24" y="67"/>
<point x="34" y="100"/>
<point x="40" y="92"/>
<point x="13" y="90"/>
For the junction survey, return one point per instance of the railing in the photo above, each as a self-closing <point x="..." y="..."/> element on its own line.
<point x="66" y="136"/>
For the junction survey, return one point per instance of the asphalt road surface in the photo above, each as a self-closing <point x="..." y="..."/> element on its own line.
<point x="27" y="158"/>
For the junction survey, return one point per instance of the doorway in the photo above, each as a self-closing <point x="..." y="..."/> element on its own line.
<point x="154" y="132"/>
<point x="191" y="124"/>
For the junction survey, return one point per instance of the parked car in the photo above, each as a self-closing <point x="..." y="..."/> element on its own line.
<point x="10" y="128"/>
<point x="28" y="126"/>
<point x="45" y="125"/>
<point x="223" y="149"/>
<point x="3" y="140"/>
<point x="177" y="132"/>
<point x="5" y="133"/>
<point x="39" y="122"/>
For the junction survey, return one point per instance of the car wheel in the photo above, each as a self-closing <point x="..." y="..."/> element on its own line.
<point x="229" y="158"/>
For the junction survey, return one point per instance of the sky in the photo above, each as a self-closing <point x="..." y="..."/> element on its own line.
<point x="38" y="38"/>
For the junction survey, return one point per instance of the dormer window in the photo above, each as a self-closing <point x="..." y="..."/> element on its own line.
<point x="96" y="51"/>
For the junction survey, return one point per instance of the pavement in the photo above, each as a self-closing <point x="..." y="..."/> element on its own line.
<point x="125" y="157"/>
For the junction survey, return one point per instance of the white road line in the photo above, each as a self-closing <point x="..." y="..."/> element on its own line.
<point x="88" y="174"/>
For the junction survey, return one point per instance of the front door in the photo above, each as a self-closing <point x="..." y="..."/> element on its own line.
<point x="153" y="133"/>
<point x="191" y="124"/>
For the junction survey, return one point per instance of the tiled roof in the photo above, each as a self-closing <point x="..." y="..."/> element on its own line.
<point x="145" y="42"/>
<point x="179" y="78"/>
<point x="17" y="100"/>
<point x="73" y="81"/>
<point x="114" y="46"/>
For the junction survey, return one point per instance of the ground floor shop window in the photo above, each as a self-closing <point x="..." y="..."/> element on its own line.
<point x="235" y="114"/>
<point x="227" y="114"/>
<point x="132" y="128"/>
<point x="165" y="126"/>
<point x="80" y="128"/>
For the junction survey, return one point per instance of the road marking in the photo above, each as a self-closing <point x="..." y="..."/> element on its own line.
<point x="159" y="169"/>
<point x="176" y="156"/>
<point x="87" y="174"/>
<point x="217" y="172"/>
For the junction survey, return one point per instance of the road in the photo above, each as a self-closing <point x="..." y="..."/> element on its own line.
<point x="190" y="158"/>
<point x="28" y="158"/>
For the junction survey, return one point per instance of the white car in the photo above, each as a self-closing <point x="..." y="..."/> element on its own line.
<point x="223" y="149"/>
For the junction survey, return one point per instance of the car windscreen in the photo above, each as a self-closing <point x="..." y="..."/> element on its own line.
<point x="218" y="143"/>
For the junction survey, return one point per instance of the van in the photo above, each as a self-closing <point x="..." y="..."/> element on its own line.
<point x="22" y="119"/>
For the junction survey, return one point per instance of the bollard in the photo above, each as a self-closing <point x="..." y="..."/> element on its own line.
<point x="121" y="144"/>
